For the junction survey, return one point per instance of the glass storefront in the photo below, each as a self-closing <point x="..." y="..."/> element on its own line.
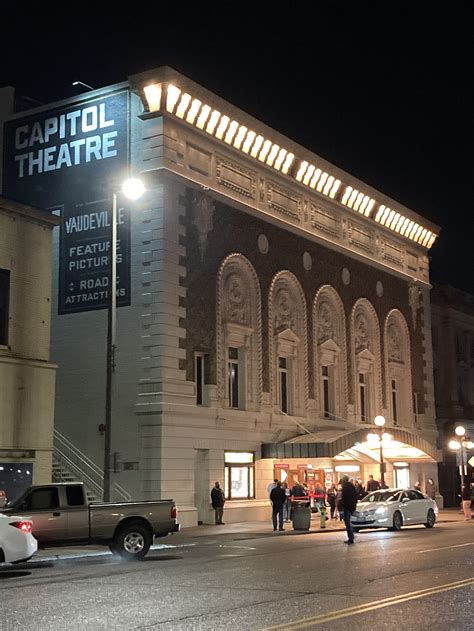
<point x="239" y="475"/>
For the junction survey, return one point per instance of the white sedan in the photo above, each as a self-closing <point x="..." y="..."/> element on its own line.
<point x="16" y="541"/>
<point x="394" y="508"/>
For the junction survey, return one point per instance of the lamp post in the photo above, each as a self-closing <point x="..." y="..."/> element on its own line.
<point x="132" y="189"/>
<point x="461" y="443"/>
<point x="379" y="421"/>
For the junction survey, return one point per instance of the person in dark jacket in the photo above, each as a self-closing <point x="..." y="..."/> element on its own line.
<point x="218" y="501"/>
<point x="278" y="499"/>
<point x="372" y="485"/>
<point x="349" y="502"/>
<point x="331" y="495"/>
<point x="466" y="496"/>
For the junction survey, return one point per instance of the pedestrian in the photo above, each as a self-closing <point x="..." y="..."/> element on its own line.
<point x="218" y="501"/>
<point x="431" y="489"/>
<point x="271" y="486"/>
<point x="349" y="502"/>
<point x="362" y="491"/>
<point x="340" y="509"/>
<point x="372" y="485"/>
<point x="298" y="490"/>
<point x="278" y="499"/>
<point x="466" y="496"/>
<point x="287" y="506"/>
<point x="331" y="495"/>
<point x="417" y="486"/>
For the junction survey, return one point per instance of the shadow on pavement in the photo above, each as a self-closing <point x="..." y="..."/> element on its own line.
<point x="12" y="574"/>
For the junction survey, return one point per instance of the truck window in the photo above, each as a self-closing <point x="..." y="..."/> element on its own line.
<point x="75" y="496"/>
<point x="42" y="499"/>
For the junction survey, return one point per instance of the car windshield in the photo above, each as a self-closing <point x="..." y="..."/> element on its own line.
<point x="381" y="496"/>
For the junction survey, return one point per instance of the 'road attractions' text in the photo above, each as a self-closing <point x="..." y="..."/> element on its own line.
<point x="75" y="150"/>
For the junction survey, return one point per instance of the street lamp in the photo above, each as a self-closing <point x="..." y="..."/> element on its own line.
<point x="379" y="421"/>
<point x="132" y="189"/>
<point x="461" y="443"/>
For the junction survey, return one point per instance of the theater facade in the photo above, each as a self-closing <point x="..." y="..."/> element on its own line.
<point x="270" y="305"/>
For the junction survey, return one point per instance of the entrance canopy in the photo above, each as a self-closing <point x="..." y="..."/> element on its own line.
<point x="403" y="445"/>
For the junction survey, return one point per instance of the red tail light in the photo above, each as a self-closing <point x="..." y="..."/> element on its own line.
<point x="25" y="526"/>
<point x="173" y="512"/>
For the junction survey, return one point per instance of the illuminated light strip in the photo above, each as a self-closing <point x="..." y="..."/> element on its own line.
<point x="265" y="149"/>
<point x="240" y="136"/>
<point x="256" y="147"/>
<point x="315" y="178"/>
<point x="172" y="97"/>
<point x="224" y="121"/>
<point x="203" y="116"/>
<point x="335" y="188"/>
<point x="281" y="157"/>
<point x="272" y="155"/>
<point x="248" y="141"/>
<point x="153" y="96"/>
<point x="309" y="174"/>
<point x="213" y="120"/>
<point x="288" y="162"/>
<point x="231" y="132"/>
<point x="193" y="111"/>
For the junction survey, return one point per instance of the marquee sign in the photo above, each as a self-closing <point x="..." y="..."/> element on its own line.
<point x="70" y="160"/>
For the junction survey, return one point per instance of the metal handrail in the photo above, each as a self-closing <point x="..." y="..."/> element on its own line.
<point x="86" y="469"/>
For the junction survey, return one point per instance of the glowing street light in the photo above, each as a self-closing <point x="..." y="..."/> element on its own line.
<point x="132" y="189"/>
<point x="379" y="421"/>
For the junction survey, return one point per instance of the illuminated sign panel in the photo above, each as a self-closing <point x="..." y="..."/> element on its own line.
<point x="70" y="160"/>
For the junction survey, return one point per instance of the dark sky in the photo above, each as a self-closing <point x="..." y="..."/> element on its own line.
<point x="381" y="89"/>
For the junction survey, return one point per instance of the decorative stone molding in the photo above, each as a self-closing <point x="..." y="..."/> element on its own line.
<point x="366" y="354"/>
<point x="235" y="177"/>
<point x="287" y="316"/>
<point x="239" y="325"/>
<point x="414" y="295"/>
<point x="330" y="349"/>
<point x="397" y="358"/>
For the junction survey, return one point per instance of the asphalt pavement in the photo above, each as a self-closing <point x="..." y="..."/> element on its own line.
<point x="248" y="577"/>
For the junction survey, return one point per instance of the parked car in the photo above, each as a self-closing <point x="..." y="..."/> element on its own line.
<point x="61" y="515"/>
<point x="16" y="541"/>
<point x="394" y="508"/>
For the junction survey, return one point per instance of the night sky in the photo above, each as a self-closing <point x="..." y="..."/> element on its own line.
<point x="381" y="89"/>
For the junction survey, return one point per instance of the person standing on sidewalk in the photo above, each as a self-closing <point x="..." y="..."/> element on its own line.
<point x="349" y="502"/>
<point x="431" y="489"/>
<point x="278" y="499"/>
<point x="218" y="501"/>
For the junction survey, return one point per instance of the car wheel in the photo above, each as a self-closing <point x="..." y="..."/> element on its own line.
<point x="132" y="541"/>
<point x="397" y="521"/>
<point x="430" y="519"/>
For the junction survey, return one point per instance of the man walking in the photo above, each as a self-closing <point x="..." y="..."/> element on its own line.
<point x="278" y="499"/>
<point x="218" y="501"/>
<point x="349" y="502"/>
<point x="431" y="489"/>
<point x="372" y="485"/>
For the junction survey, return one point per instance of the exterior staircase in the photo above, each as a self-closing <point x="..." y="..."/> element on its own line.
<point x="72" y="465"/>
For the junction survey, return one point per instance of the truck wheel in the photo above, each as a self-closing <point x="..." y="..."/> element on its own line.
<point x="132" y="541"/>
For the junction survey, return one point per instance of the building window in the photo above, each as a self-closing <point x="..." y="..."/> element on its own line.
<point x="283" y="377"/>
<point x="199" y="371"/>
<point x="239" y="475"/>
<point x="394" y="402"/>
<point x="416" y="405"/>
<point x="233" y="370"/>
<point x="364" y="397"/>
<point x="4" y="305"/>
<point x="327" y="382"/>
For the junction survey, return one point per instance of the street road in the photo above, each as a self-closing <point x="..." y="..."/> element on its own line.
<point x="416" y="578"/>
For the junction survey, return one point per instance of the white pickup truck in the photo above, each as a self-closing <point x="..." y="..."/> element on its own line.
<point x="61" y="515"/>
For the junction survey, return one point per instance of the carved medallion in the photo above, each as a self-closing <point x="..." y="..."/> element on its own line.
<point x="394" y="346"/>
<point x="325" y="322"/>
<point x="362" y="335"/>
<point x="236" y="301"/>
<point x="284" y="314"/>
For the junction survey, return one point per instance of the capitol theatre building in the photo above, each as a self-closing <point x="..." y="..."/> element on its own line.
<point x="270" y="305"/>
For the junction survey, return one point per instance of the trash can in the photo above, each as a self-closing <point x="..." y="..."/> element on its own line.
<point x="301" y="515"/>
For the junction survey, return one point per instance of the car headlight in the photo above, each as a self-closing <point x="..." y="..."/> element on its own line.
<point x="381" y="510"/>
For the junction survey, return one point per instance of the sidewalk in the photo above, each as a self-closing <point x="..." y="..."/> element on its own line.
<point x="251" y="529"/>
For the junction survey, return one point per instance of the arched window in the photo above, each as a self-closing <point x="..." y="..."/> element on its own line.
<point x="366" y="361"/>
<point x="329" y="338"/>
<point x="239" y="339"/>
<point x="288" y="345"/>
<point x="398" y="369"/>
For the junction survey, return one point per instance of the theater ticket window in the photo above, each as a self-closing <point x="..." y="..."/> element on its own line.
<point x="239" y="475"/>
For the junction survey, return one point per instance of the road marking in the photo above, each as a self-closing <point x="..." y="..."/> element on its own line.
<point x="459" y="545"/>
<point x="377" y="604"/>
<point x="239" y="547"/>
